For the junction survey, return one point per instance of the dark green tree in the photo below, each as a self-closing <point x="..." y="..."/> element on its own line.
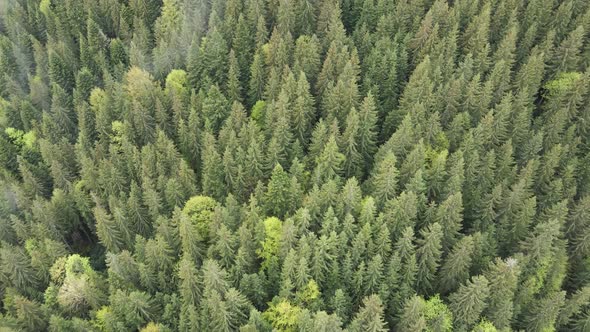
<point x="455" y="269"/>
<point x="384" y="179"/>
<point x="468" y="302"/>
<point x="428" y="258"/>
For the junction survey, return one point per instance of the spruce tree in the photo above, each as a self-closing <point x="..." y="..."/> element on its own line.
<point x="278" y="200"/>
<point x="107" y="230"/>
<point x="384" y="179"/>
<point x="428" y="254"/>
<point x="503" y="276"/>
<point x="329" y="162"/>
<point x="468" y="302"/>
<point x="370" y="316"/>
<point x="212" y="175"/>
<point x="233" y="86"/>
<point x="303" y="110"/>
<point x="455" y="269"/>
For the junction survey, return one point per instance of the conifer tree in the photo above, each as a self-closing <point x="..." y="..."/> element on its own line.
<point x="573" y="305"/>
<point x="329" y="162"/>
<point x="16" y="267"/>
<point x="428" y="257"/>
<point x="370" y="316"/>
<point x="353" y="162"/>
<point x="357" y="165"/>
<point x="107" y="230"/>
<point x="503" y="276"/>
<point x="212" y="57"/>
<point x="279" y="147"/>
<point x="468" y="302"/>
<point x="449" y="215"/>
<point x="406" y="252"/>
<point x="566" y="56"/>
<point x="306" y="55"/>
<point x="257" y="77"/>
<point x="278" y="199"/>
<point x="234" y="85"/>
<point x="30" y="315"/>
<point x="215" y="108"/>
<point x="367" y="128"/>
<point x="419" y="314"/>
<point x="384" y="179"/>
<point x="412" y="318"/>
<point x="545" y="312"/>
<point x="455" y="269"/>
<point x="212" y="175"/>
<point x="303" y="110"/>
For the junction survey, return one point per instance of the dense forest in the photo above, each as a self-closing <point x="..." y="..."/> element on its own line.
<point x="295" y="165"/>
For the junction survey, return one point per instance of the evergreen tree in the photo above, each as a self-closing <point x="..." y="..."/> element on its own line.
<point x="468" y="302"/>
<point x="306" y="55"/>
<point x="419" y="314"/>
<point x="367" y="139"/>
<point x="215" y="108"/>
<point x="428" y="161"/>
<point x="212" y="175"/>
<point x="257" y="78"/>
<point x="384" y="179"/>
<point x="503" y="277"/>
<point x="211" y="60"/>
<point x="544" y="313"/>
<point x="455" y="269"/>
<point x="428" y="257"/>
<point x="278" y="198"/>
<point x="449" y="216"/>
<point x="234" y="86"/>
<point x="353" y="161"/>
<point x="303" y="110"/>
<point x="17" y="269"/>
<point x="370" y="316"/>
<point x="412" y="318"/>
<point x="107" y="230"/>
<point x="406" y="252"/>
<point x="29" y="314"/>
<point x="329" y="162"/>
<point x="566" y="56"/>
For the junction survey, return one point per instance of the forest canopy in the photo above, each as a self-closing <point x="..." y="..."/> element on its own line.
<point x="294" y="165"/>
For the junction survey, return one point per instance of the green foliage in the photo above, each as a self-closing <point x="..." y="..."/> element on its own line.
<point x="81" y="287"/>
<point x="428" y="257"/>
<point x="485" y="326"/>
<point x="431" y="315"/>
<point x="257" y="113"/>
<point x="384" y="180"/>
<point x="283" y="316"/>
<point x="200" y="209"/>
<point x="468" y="302"/>
<point x="278" y="198"/>
<point x="438" y="316"/>
<point x="272" y="242"/>
<point x="329" y="162"/>
<point x="177" y="80"/>
<point x="370" y="316"/>
<point x="561" y="83"/>
<point x="44" y="7"/>
<point x="355" y="165"/>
